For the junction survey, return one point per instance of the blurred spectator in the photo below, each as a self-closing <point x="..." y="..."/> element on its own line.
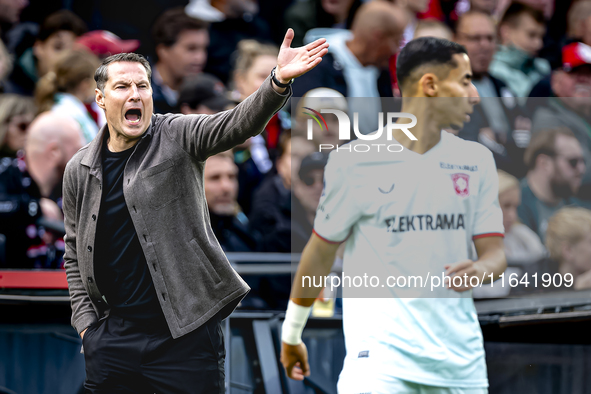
<point x="522" y="245"/>
<point x="204" y="94"/>
<point x="302" y="16"/>
<point x="229" y="224"/>
<point x="5" y="65"/>
<point x="104" y="43"/>
<point x="570" y="102"/>
<point x="181" y="49"/>
<point x="16" y="113"/>
<point x="52" y="139"/>
<point x="433" y="28"/>
<point x="412" y="9"/>
<point x="307" y="189"/>
<point x="22" y="188"/>
<point x="57" y="34"/>
<point x="254" y="62"/>
<point x="318" y="99"/>
<point x="569" y="242"/>
<point x="235" y="20"/>
<point x="515" y="63"/>
<point x="556" y="166"/>
<point x="272" y="202"/>
<point x="10" y="11"/>
<point x="357" y="61"/>
<point x="69" y="89"/>
<point x="498" y="122"/>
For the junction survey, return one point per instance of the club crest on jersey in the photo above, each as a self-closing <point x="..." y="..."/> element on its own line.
<point x="460" y="182"/>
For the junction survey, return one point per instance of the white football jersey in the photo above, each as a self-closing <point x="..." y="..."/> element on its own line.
<point x="408" y="215"/>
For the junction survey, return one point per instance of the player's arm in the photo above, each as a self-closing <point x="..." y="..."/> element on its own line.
<point x="491" y="260"/>
<point x="316" y="261"/>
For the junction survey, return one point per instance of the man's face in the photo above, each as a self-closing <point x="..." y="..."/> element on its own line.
<point x="127" y="100"/>
<point x="10" y="10"/>
<point x="49" y="50"/>
<point x="569" y="166"/>
<point x="309" y="189"/>
<point x="527" y="35"/>
<point x="456" y="95"/>
<point x="477" y="33"/>
<point x="221" y="185"/>
<point x="188" y="55"/>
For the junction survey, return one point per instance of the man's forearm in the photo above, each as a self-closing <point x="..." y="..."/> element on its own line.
<point x="492" y="262"/>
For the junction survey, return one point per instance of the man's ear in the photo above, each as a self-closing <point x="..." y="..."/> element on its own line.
<point x="99" y="98"/>
<point x="428" y="85"/>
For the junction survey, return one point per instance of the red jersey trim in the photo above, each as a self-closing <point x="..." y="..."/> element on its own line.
<point x="488" y="235"/>
<point x="328" y="240"/>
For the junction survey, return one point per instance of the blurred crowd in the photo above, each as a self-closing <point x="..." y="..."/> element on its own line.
<point x="531" y="63"/>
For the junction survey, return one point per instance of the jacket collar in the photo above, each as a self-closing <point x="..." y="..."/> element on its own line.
<point x="92" y="158"/>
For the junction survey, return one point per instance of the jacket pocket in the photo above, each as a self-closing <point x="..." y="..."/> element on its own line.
<point x="161" y="184"/>
<point x="209" y="268"/>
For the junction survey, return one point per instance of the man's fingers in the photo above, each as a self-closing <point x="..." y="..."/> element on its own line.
<point x="316" y="43"/>
<point x="288" y="38"/>
<point x="296" y="372"/>
<point x="305" y="367"/>
<point x="318" y="49"/>
<point x="458" y="266"/>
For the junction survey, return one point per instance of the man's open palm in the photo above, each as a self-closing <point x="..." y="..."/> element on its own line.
<point x="293" y="62"/>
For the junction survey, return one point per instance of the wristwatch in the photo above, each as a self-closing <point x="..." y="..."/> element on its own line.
<point x="276" y="81"/>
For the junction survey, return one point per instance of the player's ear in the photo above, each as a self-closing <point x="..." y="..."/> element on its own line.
<point x="428" y="85"/>
<point x="99" y="98"/>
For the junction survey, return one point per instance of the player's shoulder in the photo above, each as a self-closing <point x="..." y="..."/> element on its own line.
<point x="467" y="149"/>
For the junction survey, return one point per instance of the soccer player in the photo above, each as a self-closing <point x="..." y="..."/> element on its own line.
<point x="418" y="210"/>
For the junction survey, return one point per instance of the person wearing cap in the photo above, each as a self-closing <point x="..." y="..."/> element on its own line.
<point x="204" y="94"/>
<point x="103" y="43"/>
<point x="569" y="104"/>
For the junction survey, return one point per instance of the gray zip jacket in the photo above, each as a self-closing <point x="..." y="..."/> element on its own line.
<point x="163" y="189"/>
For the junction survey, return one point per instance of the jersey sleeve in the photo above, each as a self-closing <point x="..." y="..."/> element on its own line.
<point x="488" y="217"/>
<point x="337" y="210"/>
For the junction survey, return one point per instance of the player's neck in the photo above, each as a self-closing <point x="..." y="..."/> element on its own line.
<point x="427" y="130"/>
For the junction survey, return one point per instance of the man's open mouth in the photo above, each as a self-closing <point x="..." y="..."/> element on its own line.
<point x="133" y="116"/>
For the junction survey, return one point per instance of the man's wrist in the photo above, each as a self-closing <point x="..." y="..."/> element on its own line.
<point x="279" y="78"/>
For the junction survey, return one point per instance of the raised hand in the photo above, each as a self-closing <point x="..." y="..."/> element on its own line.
<point x="293" y="62"/>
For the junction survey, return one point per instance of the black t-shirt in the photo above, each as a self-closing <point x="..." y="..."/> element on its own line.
<point x="120" y="266"/>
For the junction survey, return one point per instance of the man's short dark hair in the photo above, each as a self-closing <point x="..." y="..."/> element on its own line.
<point x="101" y="75"/>
<point x="62" y="20"/>
<point x="513" y="14"/>
<point x="426" y="51"/>
<point x="172" y="23"/>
